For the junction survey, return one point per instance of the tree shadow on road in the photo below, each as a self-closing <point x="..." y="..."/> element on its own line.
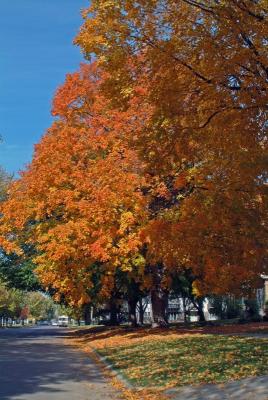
<point x="38" y="362"/>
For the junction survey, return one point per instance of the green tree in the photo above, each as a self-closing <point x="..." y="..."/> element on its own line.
<point x="41" y="307"/>
<point x="18" y="272"/>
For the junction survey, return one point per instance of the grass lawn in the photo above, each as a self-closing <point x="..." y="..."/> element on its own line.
<point x="193" y="359"/>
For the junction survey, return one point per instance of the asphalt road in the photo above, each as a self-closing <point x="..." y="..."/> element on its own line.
<point x="37" y="364"/>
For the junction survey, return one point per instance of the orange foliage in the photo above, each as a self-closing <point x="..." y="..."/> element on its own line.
<point x="157" y="153"/>
<point x="79" y="200"/>
<point x="204" y="143"/>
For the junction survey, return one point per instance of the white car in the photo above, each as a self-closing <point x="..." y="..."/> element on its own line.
<point x="54" y="322"/>
<point x="63" y="320"/>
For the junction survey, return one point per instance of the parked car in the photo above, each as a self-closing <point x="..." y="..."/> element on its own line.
<point x="43" y="323"/>
<point x="63" y="320"/>
<point x="54" y="322"/>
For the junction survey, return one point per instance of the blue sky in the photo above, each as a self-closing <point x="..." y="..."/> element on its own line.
<point x="36" y="52"/>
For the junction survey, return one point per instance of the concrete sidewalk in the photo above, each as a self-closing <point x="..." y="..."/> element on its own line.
<point x="253" y="388"/>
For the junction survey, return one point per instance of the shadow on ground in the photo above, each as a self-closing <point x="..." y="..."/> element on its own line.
<point x="103" y="333"/>
<point x="36" y="361"/>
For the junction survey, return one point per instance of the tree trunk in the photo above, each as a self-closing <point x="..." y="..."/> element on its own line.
<point x="87" y="314"/>
<point x="141" y="312"/>
<point x="132" y="317"/>
<point x="201" y="315"/>
<point x="200" y="311"/>
<point x="184" y="310"/>
<point x="159" y="299"/>
<point x="113" y="313"/>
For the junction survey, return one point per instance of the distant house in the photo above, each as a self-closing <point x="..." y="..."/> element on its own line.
<point x="262" y="295"/>
<point x="176" y="311"/>
<point x="177" y="308"/>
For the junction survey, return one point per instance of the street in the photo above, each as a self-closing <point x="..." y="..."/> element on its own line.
<point x="36" y="364"/>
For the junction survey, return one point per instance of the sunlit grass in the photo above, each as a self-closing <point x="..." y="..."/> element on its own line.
<point x="190" y="360"/>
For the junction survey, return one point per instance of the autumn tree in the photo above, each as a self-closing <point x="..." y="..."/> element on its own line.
<point x="155" y="164"/>
<point x="203" y="69"/>
<point x="79" y="202"/>
<point x="17" y="272"/>
<point x="5" y="180"/>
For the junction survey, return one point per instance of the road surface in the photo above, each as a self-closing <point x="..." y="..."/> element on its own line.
<point x="36" y="364"/>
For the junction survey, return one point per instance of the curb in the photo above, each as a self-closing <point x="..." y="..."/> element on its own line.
<point x="114" y="372"/>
